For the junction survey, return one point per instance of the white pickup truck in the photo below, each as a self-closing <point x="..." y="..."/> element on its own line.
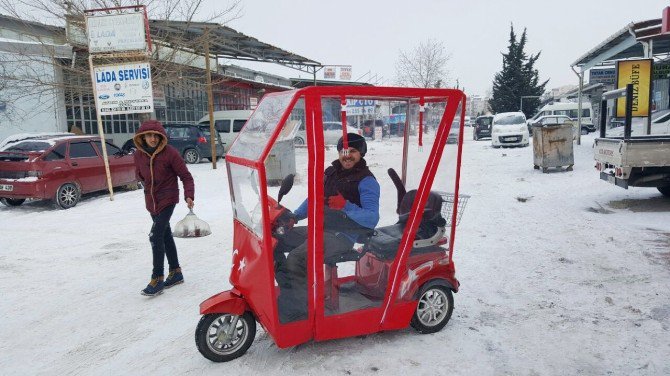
<point x="639" y="161"/>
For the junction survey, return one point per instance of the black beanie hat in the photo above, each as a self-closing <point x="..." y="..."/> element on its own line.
<point x="355" y="141"/>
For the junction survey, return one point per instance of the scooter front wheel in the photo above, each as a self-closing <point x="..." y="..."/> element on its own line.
<point x="221" y="337"/>
<point x="436" y="303"/>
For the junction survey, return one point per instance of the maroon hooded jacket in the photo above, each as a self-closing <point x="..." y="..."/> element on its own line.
<point x="158" y="172"/>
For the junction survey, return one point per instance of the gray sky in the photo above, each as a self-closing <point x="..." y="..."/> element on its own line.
<point x="369" y="34"/>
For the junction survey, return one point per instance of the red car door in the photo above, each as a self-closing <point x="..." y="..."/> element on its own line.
<point x="87" y="166"/>
<point x="121" y="166"/>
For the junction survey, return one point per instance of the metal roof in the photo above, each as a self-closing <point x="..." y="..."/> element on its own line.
<point x="228" y="43"/>
<point x="627" y="43"/>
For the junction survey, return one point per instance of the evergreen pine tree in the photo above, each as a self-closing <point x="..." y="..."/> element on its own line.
<point x="517" y="78"/>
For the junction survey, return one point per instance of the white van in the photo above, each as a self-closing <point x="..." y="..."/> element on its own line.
<point x="570" y="109"/>
<point x="228" y="123"/>
<point x="509" y="129"/>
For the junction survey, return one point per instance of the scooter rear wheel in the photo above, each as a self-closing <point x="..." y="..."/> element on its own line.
<point x="222" y="337"/>
<point x="436" y="304"/>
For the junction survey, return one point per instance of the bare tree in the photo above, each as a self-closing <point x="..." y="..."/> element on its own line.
<point x="425" y="66"/>
<point x="46" y="24"/>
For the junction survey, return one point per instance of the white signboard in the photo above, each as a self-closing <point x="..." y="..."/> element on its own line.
<point x="329" y="73"/>
<point x="345" y="73"/>
<point x="117" y="32"/>
<point x="123" y="89"/>
<point x="360" y="107"/>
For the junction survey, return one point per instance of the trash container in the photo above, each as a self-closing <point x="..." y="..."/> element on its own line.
<point x="552" y="146"/>
<point x="280" y="162"/>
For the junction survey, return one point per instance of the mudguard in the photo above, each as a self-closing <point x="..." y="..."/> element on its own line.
<point x="435" y="282"/>
<point x="224" y="302"/>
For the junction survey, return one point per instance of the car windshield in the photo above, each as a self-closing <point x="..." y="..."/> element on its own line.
<point x="510" y="120"/>
<point x="484" y="121"/>
<point x="27" y="146"/>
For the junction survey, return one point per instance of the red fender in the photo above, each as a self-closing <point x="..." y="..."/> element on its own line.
<point x="224" y="302"/>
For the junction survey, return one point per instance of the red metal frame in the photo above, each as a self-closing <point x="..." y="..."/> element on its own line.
<point x="253" y="279"/>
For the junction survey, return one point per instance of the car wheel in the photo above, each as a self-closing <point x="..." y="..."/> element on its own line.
<point x="664" y="190"/>
<point x="13" y="201"/>
<point x="191" y="156"/>
<point x="67" y="196"/>
<point x="585" y="131"/>
<point x="221" y="337"/>
<point x="298" y="141"/>
<point x="436" y="304"/>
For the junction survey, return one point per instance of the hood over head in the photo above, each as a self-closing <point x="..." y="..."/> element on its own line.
<point x="150" y="126"/>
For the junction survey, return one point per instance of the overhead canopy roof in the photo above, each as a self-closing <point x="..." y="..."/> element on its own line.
<point x="229" y="43"/>
<point x="627" y="43"/>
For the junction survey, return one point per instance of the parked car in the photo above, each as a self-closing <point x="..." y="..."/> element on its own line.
<point x="192" y="141"/>
<point x="332" y="131"/>
<point x="228" y="123"/>
<point x="454" y="132"/>
<point x="482" y="127"/>
<point x="509" y="129"/>
<point x="570" y="109"/>
<point x="60" y="168"/>
<point x="561" y="119"/>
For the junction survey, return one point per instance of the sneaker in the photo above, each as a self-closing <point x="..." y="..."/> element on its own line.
<point x="155" y="287"/>
<point x="174" y="278"/>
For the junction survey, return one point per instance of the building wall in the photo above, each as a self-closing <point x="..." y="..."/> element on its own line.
<point x="28" y="107"/>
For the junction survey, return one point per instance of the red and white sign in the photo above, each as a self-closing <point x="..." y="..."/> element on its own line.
<point x="345" y="73"/>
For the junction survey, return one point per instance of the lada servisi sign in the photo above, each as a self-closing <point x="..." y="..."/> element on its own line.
<point x="117" y="32"/>
<point x="123" y="88"/>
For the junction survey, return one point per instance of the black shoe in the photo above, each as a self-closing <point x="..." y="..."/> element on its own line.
<point x="174" y="278"/>
<point x="155" y="287"/>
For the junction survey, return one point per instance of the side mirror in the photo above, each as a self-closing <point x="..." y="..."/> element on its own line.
<point x="286" y="186"/>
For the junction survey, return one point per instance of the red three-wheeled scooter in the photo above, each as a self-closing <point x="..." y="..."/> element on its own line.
<point x="401" y="273"/>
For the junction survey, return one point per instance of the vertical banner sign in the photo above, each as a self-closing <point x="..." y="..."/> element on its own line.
<point x="123" y="89"/>
<point x="345" y="73"/>
<point x="329" y="73"/>
<point x="638" y="73"/>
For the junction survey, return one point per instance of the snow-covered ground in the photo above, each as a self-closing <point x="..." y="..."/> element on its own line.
<point x="561" y="274"/>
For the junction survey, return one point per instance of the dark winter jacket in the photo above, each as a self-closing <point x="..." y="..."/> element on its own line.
<point x="158" y="170"/>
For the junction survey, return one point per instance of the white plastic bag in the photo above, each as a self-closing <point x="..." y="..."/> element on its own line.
<point x="191" y="227"/>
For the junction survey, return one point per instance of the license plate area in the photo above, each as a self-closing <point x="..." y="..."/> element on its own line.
<point x="6" y="187"/>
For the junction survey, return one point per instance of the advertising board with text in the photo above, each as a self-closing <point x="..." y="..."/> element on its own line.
<point x="117" y="32"/>
<point x="123" y="89"/>
<point x="638" y="73"/>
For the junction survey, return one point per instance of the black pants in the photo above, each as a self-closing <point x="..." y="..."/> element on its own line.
<point x="291" y="271"/>
<point x="162" y="243"/>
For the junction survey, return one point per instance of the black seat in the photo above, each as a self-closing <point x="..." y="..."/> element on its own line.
<point x="386" y="240"/>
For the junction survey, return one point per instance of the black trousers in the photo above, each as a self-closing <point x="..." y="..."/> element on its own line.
<point x="162" y="243"/>
<point x="291" y="271"/>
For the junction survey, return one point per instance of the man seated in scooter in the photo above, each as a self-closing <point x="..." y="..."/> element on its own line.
<point x="352" y="209"/>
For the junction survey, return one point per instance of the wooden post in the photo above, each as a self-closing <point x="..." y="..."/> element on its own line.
<point x="210" y="100"/>
<point x="101" y="132"/>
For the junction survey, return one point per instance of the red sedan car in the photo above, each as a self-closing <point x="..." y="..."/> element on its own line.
<point x="60" y="168"/>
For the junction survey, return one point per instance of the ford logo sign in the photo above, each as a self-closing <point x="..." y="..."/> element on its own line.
<point x="104" y="96"/>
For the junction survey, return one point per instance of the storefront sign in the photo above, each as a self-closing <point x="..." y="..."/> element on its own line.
<point x="123" y="89"/>
<point x="117" y="32"/>
<point x="360" y="107"/>
<point x="345" y="73"/>
<point x="329" y="73"/>
<point x="661" y="71"/>
<point x="605" y="76"/>
<point x="638" y="73"/>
